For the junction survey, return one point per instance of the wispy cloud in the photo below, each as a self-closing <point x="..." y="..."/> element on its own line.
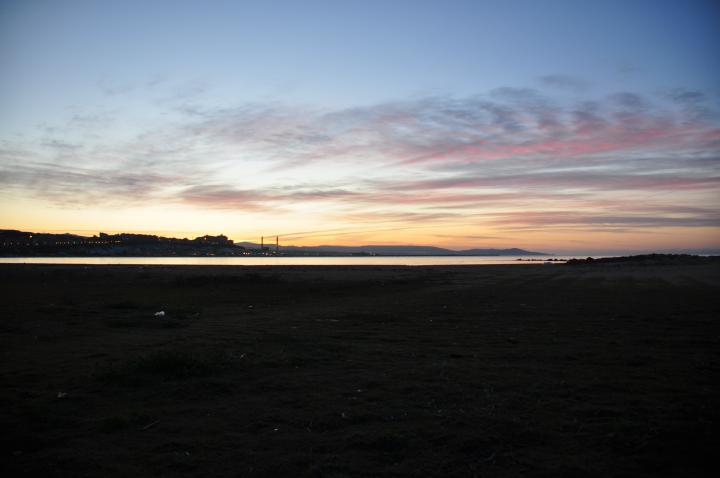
<point x="224" y="197"/>
<point x="517" y="220"/>
<point x="510" y="158"/>
<point x="506" y="123"/>
<point x="66" y="186"/>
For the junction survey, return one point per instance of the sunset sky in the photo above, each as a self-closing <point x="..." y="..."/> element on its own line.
<point x="561" y="126"/>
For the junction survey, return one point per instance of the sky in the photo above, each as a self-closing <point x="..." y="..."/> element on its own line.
<point x="563" y="126"/>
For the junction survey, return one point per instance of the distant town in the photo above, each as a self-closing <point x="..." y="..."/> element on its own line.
<point x="15" y="243"/>
<point x="19" y="243"/>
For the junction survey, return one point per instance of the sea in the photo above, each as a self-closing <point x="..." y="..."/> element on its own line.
<point x="298" y="261"/>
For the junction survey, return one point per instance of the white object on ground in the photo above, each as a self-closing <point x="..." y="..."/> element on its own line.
<point x="160" y="314"/>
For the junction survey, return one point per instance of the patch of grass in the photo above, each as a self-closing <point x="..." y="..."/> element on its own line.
<point x="362" y="318"/>
<point x="124" y="305"/>
<point x="174" y="318"/>
<point x="151" y="323"/>
<point x="169" y="365"/>
<point x="118" y="423"/>
<point x="178" y="364"/>
<point x="113" y="424"/>
<point x="250" y="278"/>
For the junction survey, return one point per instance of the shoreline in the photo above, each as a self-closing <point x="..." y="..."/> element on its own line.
<point x="411" y="261"/>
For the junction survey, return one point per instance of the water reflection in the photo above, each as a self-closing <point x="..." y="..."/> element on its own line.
<point x="282" y="261"/>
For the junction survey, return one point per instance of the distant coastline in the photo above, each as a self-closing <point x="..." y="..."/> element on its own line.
<point x="14" y="243"/>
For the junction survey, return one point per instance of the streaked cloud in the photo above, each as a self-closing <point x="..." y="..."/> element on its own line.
<point x="509" y="160"/>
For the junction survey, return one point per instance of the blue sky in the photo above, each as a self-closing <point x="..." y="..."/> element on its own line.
<point x="345" y="53"/>
<point x="328" y="99"/>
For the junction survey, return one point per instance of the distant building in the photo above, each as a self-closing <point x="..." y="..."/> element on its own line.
<point x="220" y="240"/>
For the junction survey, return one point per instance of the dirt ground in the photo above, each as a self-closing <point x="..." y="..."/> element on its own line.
<point x="522" y="370"/>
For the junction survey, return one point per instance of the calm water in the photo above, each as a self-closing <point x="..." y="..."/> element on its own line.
<point x="280" y="261"/>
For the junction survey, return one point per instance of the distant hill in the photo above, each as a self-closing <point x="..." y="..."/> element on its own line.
<point x="21" y="243"/>
<point x="647" y="260"/>
<point x="501" y="252"/>
<point x="396" y="250"/>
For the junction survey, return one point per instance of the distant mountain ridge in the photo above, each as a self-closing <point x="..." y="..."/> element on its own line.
<point x="398" y="250"/>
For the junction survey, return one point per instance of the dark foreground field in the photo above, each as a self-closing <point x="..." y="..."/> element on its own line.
<point x="533" y="370"/>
